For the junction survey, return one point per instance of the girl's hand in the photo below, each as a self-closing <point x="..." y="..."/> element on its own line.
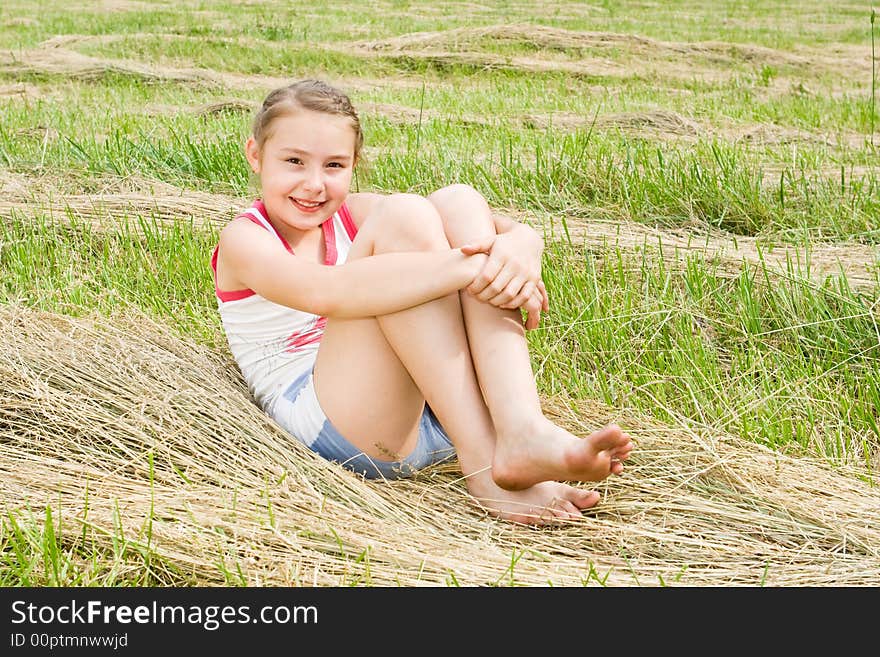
<point x="538" y="302"/>
<point x="513" y="270"/>
<point x="532" y="298"/>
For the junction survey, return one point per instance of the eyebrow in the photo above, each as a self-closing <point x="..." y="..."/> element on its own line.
<point x="298" y="151"/>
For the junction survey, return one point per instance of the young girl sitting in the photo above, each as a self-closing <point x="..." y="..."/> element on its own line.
<point x="385" y="331"/>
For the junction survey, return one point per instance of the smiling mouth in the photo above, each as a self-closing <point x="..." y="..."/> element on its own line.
<point x="307" y="206"/>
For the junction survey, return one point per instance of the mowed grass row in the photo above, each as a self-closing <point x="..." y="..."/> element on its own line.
<point x="741" y="88"/>
<point x="771" y="142"/>
<point x="585" y="172"/>
<point x="644" y="348"/>
<point x="783" y="361"/>
<point x="772" y="23"/>
<point x="781" y="149"/>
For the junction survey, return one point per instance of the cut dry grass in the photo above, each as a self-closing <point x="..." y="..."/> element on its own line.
<point x="585" y="54"/>
<point x="56" y="57"/>
<point x="856" y="262"/>
<point x="131" y="432"/>
<point x="74" y="65"/>
<point x="461" y="45"/>
<point x="111" y="199"/>
<point x="551" y="38"/>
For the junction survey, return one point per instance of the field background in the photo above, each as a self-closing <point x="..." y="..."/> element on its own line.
<point x="705" y="174"/>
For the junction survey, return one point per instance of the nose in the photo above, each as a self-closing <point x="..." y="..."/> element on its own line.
<point x="314" y="181"/>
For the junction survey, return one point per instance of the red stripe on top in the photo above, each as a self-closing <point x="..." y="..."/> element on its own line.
<point x="235" y="295"/>
<point x="347" y="221"/>
<point x="329" y="231"/>
<point x="259" y="207"/>
<point x="296" y="341"/>
<point x="330" y="253"/>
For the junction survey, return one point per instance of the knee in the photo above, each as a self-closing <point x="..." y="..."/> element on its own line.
<point x="464" y="211"/>
<point x="453" y="198"/>
<point x="409" y="222"/>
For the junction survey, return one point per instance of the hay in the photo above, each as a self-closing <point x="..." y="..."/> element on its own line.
<point x="643" y="49"/>
<point x="105" y="211"/>
<point x="657" y="120"/>
<point x="110" y="200"/>
<point x="227" y="107"/>
<point x="55" y="57"/>
<point x="84" y="402"/>
<point x="854" y="261"/>
<point x="20" y="89"/>
<point x="538" y="36"/>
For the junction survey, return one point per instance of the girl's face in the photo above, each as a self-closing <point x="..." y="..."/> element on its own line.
<point x="305" y="167"/>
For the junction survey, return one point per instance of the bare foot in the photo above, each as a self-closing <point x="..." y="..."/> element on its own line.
<point x="544" y="503"/>
<point x="550" y="453"/>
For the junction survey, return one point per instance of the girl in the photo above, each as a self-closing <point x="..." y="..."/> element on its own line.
<point x="385" y="332"/>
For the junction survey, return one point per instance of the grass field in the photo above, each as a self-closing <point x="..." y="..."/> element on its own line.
<point x="705" y="174"/>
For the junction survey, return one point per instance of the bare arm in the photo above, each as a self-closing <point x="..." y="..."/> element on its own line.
<point x="505" y="224"/>
<point x="366" y="287"/>
<point x="511" y="277"/>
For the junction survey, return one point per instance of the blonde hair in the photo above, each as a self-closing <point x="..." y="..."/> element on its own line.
<point x="313" y="95"/>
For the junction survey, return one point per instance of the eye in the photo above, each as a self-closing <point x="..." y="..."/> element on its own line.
<point x="294" y="160"/>
<point x="337" y="165"/>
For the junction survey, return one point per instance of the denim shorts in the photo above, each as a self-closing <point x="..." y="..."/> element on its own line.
<point x="298" y="411"/>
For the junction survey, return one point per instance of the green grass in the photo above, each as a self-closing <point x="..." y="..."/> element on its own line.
<point x="77" y="269"/>
<point x="788" y="361"/>
<point x="784" y="361"/>
<point x="581" y="173"/>
<point x="37" y="548"/>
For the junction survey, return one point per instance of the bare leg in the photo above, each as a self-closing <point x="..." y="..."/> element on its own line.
<point x="372" y="376"/>
<point x="530" y="448"/>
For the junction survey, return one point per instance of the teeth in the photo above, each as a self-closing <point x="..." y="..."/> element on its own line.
<point x="309" y="204"/>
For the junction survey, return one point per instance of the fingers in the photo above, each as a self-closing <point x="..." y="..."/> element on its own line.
<point x="482" y="245"/>
<point x="486" y="276"/>
<point x="497" y="285"/>
<point x="533" y="308"/>
<point x="532" y="320"/>
<point x="513" y="290"/>
<point x="545" y="304"/>
<point x="528" y="290"/>
<point x="520" y="299"/>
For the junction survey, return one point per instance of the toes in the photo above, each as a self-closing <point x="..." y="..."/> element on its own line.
<point x="558" y="511"/>
<point x="623" y="451"/>
<point x="568" y="509"/>
<point x="610" y="437"/>
<point x="583" y="499"/>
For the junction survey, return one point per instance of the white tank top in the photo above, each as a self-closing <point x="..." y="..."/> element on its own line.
<point x="274" y="344"/>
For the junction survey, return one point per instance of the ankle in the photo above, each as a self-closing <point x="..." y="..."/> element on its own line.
<point x="518" y="430"/>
